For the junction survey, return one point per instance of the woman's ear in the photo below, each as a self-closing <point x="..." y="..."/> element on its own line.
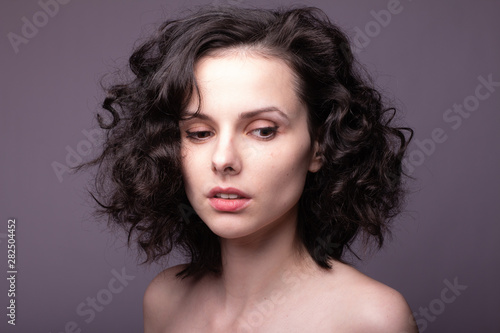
<point x="317" y="158"/>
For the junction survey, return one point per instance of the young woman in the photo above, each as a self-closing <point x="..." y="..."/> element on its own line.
<point x="249" y="140"/>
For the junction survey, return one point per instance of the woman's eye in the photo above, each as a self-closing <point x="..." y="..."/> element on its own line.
<point x="199" y="135"/>
<point x="265" y="132"/>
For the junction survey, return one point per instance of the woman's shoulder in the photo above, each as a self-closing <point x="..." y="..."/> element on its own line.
<point x="166" y="282"/>
<point x="162" y="297"/>
<point x="370" y="305"/>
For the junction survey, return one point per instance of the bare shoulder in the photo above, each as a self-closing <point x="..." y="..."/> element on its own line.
<point x="371" y="305"/>
<point x="161" y="298"/>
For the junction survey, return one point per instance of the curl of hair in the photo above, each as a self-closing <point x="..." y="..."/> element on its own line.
<point x="139" y="182"/>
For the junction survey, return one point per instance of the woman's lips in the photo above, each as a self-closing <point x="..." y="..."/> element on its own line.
<point x="228" y="205"/>
<point x="228" y="199"/>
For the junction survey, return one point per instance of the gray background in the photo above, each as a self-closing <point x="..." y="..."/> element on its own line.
<point x="429" y="57"/>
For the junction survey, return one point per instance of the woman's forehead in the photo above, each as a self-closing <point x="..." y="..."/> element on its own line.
<point x="245" y="80"/>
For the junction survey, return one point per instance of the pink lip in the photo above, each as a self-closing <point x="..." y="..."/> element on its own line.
<point x="228" y="205"/>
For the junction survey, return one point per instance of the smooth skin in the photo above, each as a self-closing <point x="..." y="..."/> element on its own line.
<point x="252" y="135"/>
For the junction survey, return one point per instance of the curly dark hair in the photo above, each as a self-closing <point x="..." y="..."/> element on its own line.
<point x="139" y="185"/>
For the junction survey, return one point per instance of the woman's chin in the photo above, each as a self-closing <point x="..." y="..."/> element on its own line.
<point x="230" y="229"/>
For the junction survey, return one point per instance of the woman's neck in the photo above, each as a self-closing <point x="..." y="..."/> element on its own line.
<point x="253" y="267"/>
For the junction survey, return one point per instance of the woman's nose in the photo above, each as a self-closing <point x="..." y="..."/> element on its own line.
<point x="225" y="158"/>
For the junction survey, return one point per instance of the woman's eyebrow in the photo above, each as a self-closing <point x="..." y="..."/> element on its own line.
<point x="243" y="115"/>
<point x="251" y="114"/>
<point x="191" y="115"/>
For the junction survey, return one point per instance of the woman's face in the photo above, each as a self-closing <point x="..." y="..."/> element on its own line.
<point x="245" y="156"/>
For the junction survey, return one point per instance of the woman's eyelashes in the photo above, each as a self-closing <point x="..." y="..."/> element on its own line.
<point x="262" y="133"/>
<point x="265" y="133"/>
<point x="198" y="135"/>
